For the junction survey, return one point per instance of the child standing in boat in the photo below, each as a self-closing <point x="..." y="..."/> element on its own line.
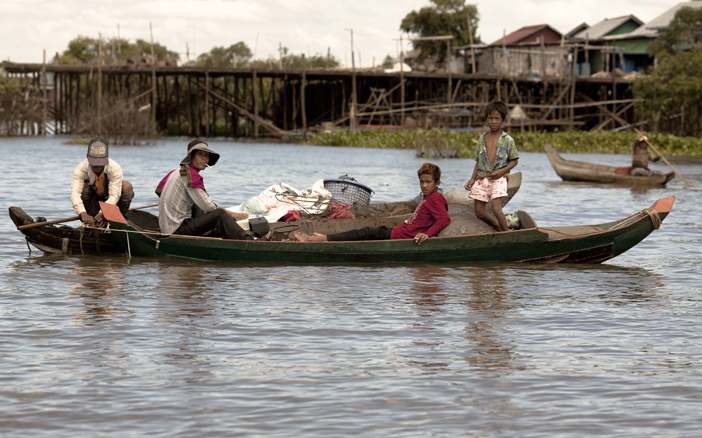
<point x="495" y="156"/>
<point x="429" y="218"/>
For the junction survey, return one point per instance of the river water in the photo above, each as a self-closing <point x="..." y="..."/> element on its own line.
<point x="104" y="346"/>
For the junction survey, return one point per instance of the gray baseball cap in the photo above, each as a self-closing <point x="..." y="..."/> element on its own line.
<point x="98" y="152"/>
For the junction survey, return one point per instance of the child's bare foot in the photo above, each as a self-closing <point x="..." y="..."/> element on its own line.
<point x="316" y="237"/>
<point x="300" y="237"/>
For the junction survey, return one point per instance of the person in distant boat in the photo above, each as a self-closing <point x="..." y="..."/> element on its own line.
<point x="99" y="178"/>
<point x="495" y="156"/>
<point x="641" y="157"/>
<point x="186" y="208"/>
<point x="429" y="218"/>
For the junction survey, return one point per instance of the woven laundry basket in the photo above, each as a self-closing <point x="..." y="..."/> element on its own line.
<point x="347" y="191"/>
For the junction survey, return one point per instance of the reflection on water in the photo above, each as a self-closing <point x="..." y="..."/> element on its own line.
<point x="173" y="347"/>
<point x="99" y="286"/>
<point x="488" y="302"/>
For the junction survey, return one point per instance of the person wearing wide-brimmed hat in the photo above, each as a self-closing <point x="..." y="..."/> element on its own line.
<point x="184" y="205"/>
<point x="99" y="178"/>
<point x="641" y="157"/>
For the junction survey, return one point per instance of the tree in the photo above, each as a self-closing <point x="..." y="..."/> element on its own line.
<point x="81" y="50"/>
<point x="290" y="60"/>
<point x="672" y="89"/>
<point x="444" y="17"/>
<point x="143" y="48"/>
<point x="84" y="50"/>
<point x="684" y="32"/>
<point x="236" y="55"/>
<point x="388" y="62"/>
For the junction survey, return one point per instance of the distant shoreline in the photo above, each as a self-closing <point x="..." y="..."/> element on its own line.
<point x="462" y="144"/>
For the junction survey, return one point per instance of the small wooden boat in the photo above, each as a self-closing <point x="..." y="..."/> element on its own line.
<point x="567" y="244"/>
<point x="75" y="240"/>
<point x="85" y="240"/>
<point x="570" y="170"/>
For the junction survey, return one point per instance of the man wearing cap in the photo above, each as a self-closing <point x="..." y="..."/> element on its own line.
<point x="184" y="205"/>
<point x="99" y="178"/>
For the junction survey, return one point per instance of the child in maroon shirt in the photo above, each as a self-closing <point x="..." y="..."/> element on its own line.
<point x="428" y="219"/>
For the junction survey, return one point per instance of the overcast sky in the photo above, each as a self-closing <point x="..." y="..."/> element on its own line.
<point x="304" y="26"/>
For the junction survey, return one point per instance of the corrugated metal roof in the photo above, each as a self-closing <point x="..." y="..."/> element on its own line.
<point x="605" y="27"/>
<point x="654" y="27"/>
<point x="577" y="29"/>
<point x="519" y="35"/>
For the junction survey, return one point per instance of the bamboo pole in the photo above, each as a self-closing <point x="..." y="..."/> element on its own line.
<point x="303" y="106"/>
<point x="354" y="96"/>
<point x="178" y="112"/>
<point x="504" y="51"/>
<point x="251" y="116"/>
<point x="448" y="71"/>
<point x="153" y="80"/>
<point x="44" y="98"/>
<point x="114" y="110"/>
<point x="661" y="155"/>
<point x="402" y="83"/>
<point x="254" y="88"/>
<point x="69" y="219"/>
<point x="191" y="116"/>
<point x="572" y="101"/>
<point x="543" y="56"/>
<point x="586" y="49"/>
<point x="207" y="103"/>
<point x="472" y="49"/>
<point x="99" y="90"/>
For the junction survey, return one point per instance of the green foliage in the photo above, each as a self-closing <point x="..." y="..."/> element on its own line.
<point x="672" y="90"/>
<point x="84" y="50"/>
<point x="289" y="60"/>
<point x="388" y="62"/>
<point x="144" y="48"/>
<point x="444" y="17"/>
<point x="81" y="50"/>
<point x="434" y="141"/>
<point x="685" y="32"/>
<point x="7" y="85"/>
<point x="14" y="85"/>
<point x="236" y="55"/>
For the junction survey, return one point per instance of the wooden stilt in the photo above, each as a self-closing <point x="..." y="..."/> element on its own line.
<point x="255" y="101"/>
<point x="303" y="106"/>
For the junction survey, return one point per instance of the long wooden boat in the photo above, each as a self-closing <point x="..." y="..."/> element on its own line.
<point x="567" y="244"/>
<point x="81" y="240"/>
<point x="570" y="170"/>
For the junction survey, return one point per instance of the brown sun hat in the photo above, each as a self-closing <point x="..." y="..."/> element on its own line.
<point x="199" y="145"/>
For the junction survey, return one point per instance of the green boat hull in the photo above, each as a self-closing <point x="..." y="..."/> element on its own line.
<point x="573" y="244"/>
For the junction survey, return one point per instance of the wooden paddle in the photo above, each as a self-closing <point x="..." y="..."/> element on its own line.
<point x="69" y="219"/>
<point x="661" y="155"/>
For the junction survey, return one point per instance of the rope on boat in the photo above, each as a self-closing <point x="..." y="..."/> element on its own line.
<point x="650" y="212"/>
<point x="129" y="250"/>
<point x="653" y="214"/>
<point x="80" y="241"/>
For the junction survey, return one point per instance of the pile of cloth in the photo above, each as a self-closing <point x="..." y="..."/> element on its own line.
<point x="282" y="199"/>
